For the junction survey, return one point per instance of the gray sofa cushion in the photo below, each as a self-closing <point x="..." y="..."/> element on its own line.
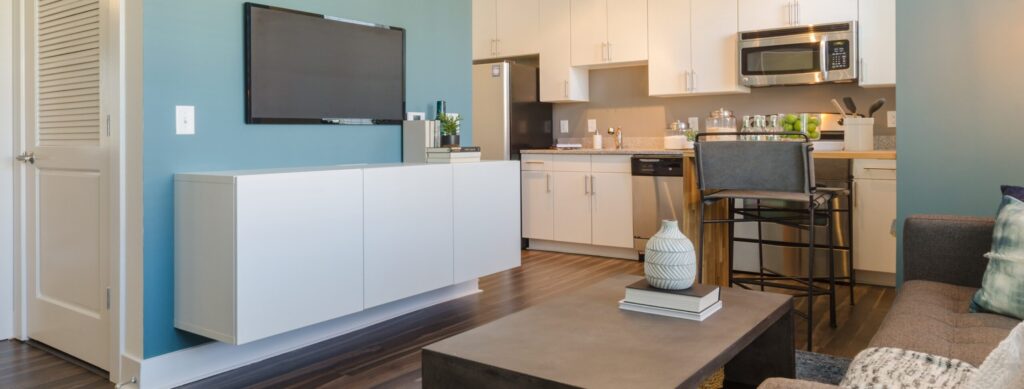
<point x="933" y="318"/>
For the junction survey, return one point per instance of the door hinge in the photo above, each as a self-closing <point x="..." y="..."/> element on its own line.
<point x="108" y="299"/>
<point x="108" y="125"/>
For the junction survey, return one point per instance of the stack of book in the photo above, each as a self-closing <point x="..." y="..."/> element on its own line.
<point x="453" y="154"/>
<point x="697" y="303"/>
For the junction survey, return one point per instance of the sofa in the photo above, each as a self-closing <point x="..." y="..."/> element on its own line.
<point x="943" y="265"/>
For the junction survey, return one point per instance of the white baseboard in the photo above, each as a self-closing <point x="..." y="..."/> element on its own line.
<point x="193" y="364"/>
<point x="584" y="249"/>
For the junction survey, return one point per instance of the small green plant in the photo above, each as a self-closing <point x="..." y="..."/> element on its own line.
<point x="450" y="124"/>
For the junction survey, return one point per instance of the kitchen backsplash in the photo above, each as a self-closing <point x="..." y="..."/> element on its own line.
<point x="882" y="142"/>
<point x="619" y="98"/>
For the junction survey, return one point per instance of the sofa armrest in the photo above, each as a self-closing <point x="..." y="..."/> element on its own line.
<point x="947" y="249"/>
<point x="787" y="383"/>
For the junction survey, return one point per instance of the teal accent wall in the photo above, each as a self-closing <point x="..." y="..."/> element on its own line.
<point x="961" y="97"/>
<point x="193" y="55"/>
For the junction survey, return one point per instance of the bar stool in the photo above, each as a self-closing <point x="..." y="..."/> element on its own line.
<point x="770" y="171"/>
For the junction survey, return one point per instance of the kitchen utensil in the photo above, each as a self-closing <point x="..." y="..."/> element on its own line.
<point x="875" y="107"/>
<point x="840" y="108"/>
<point x="850" y="105"/>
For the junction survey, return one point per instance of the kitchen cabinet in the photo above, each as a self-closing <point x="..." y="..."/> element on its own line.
<point x="559" y="80"/>
<point x="572" y="213"/>
<point x="693" y="48"/>
<point x="768" y="14"/>
<point x="606" y="32"/>
<point x="874" y="212"/>
<point x="402" y="257"/>
<point x="505" y="28"/>
<point x="482" y="244"/>
<point x="611" y="198"/>
<point x="877" y="43"/>
<point x="538" y="205"/>
<point x="581" y="199"/>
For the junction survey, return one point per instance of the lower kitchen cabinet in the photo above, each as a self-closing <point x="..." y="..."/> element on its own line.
<point x="572" y="214"/>
<point x="874" y="212"/>
<point x="538" y="205"/>
<point x="611" y="200"/>
<point x="579" y="199"/>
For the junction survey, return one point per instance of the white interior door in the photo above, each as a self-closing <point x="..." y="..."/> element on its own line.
<point x="66" y="224"/>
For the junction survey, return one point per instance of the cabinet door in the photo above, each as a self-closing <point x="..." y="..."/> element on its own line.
<point x="559" y="81"/>
<point x="765" y="14"/>
<point x="408" y="231"/>
<point x="517" y="28"/>
<point x="611" y="196"/>
<point x="538" y="212"/>
<point x="486" y="218"/>
<point x="825" y="11"/>
<point x="669" y="40"/>
<point x="589" y="26"/>
<point x="877" y="45"/>
<point x="874" y="210"/>
<point x="485" y="28"/>
<point x="627" y="31"/>
<point x="571" y="206"/>
<point x="715" y="63"/>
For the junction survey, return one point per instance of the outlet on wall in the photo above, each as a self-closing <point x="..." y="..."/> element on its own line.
<point x="591" y="125"/>
<point x="890" y="119"/>
<point x="185" y="120"/>
<point x="563" y="125"/>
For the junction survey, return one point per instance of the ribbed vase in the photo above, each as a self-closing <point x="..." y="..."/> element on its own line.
<point x="671" y="262"/>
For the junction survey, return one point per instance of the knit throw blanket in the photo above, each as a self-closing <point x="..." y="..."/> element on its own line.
<point x="887" y="367"/>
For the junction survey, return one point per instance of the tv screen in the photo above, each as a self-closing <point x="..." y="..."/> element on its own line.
<point x="308" y="68"/>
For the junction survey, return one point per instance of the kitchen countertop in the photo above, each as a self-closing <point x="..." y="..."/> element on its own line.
<point x="873" y="154"/>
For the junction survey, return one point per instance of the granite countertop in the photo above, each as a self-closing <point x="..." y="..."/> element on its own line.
<point x="605" y="151"/>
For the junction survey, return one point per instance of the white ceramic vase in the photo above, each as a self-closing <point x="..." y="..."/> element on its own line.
<point x="670" y="260"/>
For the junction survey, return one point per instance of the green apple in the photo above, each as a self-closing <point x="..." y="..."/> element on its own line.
<point x="812" y="127"/>
<point x="791" y="118"/>
<point x="798" y="126"/>
<point x="815" y="120"/>
<point x="787" y="127"/>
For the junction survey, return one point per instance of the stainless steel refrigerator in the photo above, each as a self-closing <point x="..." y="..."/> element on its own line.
<point x="507" y="113"/>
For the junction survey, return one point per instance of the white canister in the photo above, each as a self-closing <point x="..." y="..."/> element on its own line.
<point x="859" y="134"/>
<point x="597" y="142"/>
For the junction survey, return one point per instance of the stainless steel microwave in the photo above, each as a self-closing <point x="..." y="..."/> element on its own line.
<point x="799" y="55"/>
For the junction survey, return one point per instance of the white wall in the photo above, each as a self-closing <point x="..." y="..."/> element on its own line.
<point x="7" y="170"/>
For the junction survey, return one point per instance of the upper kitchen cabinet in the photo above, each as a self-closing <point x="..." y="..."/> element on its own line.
<point x="505" y="28"/>
<point x="768" y="14"/>
<point x="693" y="47"/>
<point x="559" y="80"/>
<point x="877" y="23"/>
<point x="608" y="32"/>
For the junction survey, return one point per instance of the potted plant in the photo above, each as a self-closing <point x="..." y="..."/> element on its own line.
<point x="449" y="129"/>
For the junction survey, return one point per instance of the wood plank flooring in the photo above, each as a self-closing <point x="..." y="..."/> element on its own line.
<point x="387" y="355"/>
<point x="32" y="366"/>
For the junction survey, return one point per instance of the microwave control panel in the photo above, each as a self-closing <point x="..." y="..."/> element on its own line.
<point x="838" y="55"/>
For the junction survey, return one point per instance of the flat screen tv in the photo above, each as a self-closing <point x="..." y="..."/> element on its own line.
<point x="307" y="68"/>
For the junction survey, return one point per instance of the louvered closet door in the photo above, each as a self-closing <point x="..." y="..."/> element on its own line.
<point x="67" y="191"/>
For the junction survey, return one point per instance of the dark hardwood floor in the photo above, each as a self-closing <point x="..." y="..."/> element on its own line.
<point x="387" y="355"/>
<point x="24" y="365"/>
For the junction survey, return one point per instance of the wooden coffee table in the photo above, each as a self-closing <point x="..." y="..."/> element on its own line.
<point x="583" y="339"/>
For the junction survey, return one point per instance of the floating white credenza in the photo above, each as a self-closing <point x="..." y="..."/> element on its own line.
<point x="260" y="253"/>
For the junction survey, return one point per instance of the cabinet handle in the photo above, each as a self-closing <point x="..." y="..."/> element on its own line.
<point x="565" y="89"/>
<point x="586" y="184"/>
<point x="880" y="168"/>
<point x="693" y="81"/>
<point x="797" y="12"/>
<point x="494" y="51"/>
<point x="540" y="162"/>
<point x="497" y="46"/>
<point x="593" y="185"/>
<point x="609" y="51"/>
<point x="860" y="64"/>
<point x="789" y="12"/>
<point x="854" y="193"/>
<point x="604" y="51"/>
<point x="548" y="177"/>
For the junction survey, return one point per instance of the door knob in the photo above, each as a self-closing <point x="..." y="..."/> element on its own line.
<point x="27" y="156"/>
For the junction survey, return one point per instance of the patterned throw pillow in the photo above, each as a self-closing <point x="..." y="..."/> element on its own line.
<point x="1016" y="192"/>
<point x="1002" y="288"/>
<point x="888" y="367"/>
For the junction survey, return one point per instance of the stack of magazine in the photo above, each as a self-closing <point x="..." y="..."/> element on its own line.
<point x="696" y="303"/>
<point x="453" y="154"/>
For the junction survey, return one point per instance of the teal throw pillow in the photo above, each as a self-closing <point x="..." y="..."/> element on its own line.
<point x="1002" y="289"/>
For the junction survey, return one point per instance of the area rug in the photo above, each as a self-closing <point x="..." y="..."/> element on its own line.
<point x="826" y="369"/>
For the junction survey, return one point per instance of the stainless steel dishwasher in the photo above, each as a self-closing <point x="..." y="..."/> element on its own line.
<point x="657" y="194"/>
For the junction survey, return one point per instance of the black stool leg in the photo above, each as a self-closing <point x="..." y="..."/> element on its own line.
<point x="810" y="276"/>
<point x="760" y="246"/>
<point x="732" y="234"/>
<point x="700" y="245"/>
<point x="830" y="229"/>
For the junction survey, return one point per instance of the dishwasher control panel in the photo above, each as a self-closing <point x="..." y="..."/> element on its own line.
<point x="658" y="165"/>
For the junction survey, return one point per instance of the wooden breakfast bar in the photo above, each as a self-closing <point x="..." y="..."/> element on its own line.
<point x="716" y="243"/>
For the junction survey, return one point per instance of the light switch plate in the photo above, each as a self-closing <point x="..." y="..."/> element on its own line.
<point x="591" y="125"/>
<point x="185" y="120"/>
<point x="563" y="125"/>
<point x="890" y="119"/>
